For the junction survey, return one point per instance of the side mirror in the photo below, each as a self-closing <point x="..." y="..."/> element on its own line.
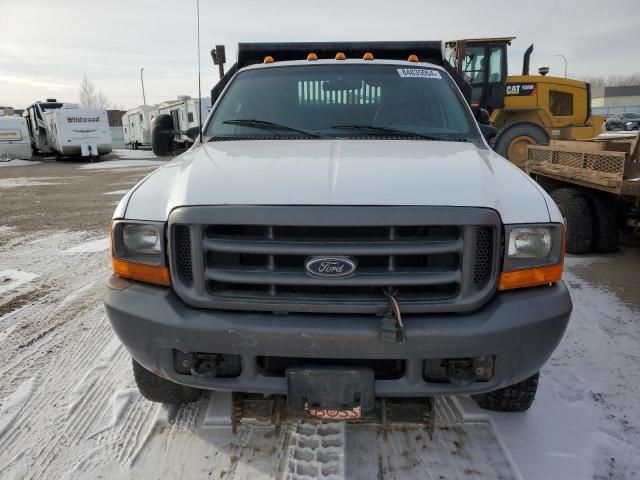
<point x="481" y="115"/>
<point x="488" y="132"/>
<point x="162" y="141"/>
<point x="193" y="133"/>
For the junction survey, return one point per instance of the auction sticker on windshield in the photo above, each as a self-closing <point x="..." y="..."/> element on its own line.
<point x="418" y="73"/>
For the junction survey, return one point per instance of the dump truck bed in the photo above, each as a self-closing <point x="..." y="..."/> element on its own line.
<point x="608" y="164"/>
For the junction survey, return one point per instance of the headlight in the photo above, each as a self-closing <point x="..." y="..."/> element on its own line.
<point x="530" y="242"/>
<point x="138" y="251"/>
<point x="141" y="239"/>
<point x="533" y="255"/>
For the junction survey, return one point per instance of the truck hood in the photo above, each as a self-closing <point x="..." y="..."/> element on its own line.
<point x="338" y="172"/>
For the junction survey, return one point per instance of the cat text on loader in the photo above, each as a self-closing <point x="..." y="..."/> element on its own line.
<point x="526" y="109"/>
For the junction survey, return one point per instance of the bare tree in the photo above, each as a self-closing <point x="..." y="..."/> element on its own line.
<point x="614" y="80"/>
<point x="91" y="97"/>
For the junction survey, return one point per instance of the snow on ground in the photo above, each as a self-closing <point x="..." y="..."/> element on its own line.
<point x="127" y="159"/>
<point x="69" y="407"/>
<point x="16" y="162"/>
<point x="29" y="182"/>
<point x="116" y="192"/>
<point x="10" y="279"/>
<point x="125" y="163"/>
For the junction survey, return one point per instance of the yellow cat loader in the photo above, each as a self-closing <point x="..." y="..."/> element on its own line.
<point x="526" y="109"/>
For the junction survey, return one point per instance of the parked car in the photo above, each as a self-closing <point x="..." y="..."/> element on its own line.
<point x="632" y="125"/>
<point x="341" y="232"/>
<point x="619" y="122"/>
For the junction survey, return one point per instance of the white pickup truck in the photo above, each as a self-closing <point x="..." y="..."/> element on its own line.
<point x="341" y="233"/>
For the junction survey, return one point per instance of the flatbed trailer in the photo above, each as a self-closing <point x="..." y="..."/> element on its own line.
<point x="596" y="184"/>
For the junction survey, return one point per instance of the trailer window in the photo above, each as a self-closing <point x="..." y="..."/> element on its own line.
<point x="190" y="116"/>
<point x="320" y="98"/>
<point x="560" y="103"/>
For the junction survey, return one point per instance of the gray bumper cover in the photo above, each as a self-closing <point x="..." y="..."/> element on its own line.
<point x="521" y="328"/>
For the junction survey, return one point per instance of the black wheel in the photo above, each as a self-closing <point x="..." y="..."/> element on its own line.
<point x="605" y="222"/>
<point x="58" y="156"/>
<point x="157" y="389"/>
<point x="516" y="398"/>
<point x="578" y="218"/>
<point x="512" y="141"/>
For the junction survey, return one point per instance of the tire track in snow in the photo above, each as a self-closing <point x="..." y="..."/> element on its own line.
<point x="74" y="306"/>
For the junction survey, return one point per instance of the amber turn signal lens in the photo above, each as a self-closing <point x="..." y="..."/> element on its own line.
<point x="340" y="56"/>
<point x="530" y="277"/>
<point x="368" y="56"/>
<point x="157" y="275"/>
<point x="268" y="59"/>
<point x="412" y="58"/>
<point x="312" y="56"/>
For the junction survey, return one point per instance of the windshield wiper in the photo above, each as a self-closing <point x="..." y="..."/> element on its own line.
<point x="266" y="125"/>
<point x="396" y="131"/>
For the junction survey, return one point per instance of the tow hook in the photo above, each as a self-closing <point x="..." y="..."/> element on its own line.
<point x="460" y="372"/>
<point x="392" y="328"/>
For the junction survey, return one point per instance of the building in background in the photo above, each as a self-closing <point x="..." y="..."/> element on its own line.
<point x="615" y="100"/>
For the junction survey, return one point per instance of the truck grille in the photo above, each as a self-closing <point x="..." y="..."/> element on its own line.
<point x="259" y="265"/>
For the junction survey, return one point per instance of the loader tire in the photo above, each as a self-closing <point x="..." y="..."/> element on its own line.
<point x="157" y="389"/>
<point x="162" y="135"/>
<point x="512" y="141"/>
<point x="578" y="218"/>
<point x="515" y="398"/>
<point x="605" y="222"/>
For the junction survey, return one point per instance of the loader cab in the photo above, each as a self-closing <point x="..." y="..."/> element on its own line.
<point x="483" y="64"/>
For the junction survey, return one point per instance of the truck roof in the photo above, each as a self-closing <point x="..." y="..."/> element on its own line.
<point x="350" y="61"/>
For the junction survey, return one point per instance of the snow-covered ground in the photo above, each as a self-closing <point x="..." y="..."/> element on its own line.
<point x="69" y="407"/>
<point x="16" y="162"/>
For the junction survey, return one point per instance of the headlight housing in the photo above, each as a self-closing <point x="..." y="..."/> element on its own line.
<point x="533" y="255"/>
<point x="138" y="251"/>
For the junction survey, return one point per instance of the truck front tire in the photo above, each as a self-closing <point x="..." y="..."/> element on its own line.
<point x="605" y="222"/>
<point x="515" y="398"/>
<point x="157" y="389"/>
<point x="579" y="221"/>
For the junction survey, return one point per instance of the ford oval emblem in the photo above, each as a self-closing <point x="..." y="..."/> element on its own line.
<point x="330" y="266"/>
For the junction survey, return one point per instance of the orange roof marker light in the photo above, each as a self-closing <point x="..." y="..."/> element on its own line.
<point x="268" y="59"/>
<point x="340" y="56"/>
<point x="412" y="58"/>
<point x="368" y="56"/>
<point x="312" y="56"/>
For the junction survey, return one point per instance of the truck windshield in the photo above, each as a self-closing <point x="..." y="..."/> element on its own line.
<point x="348" y="101"/>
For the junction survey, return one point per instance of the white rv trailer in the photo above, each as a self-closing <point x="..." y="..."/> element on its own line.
<point x="75" y="131"/>
<point x="15" y="141"/>
<point x="35" y="120"/>
<point x="136" y="125"/>
<point x="184" y="112"/>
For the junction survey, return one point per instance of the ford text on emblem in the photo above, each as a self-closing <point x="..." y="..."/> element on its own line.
<point x="330" y="266"/>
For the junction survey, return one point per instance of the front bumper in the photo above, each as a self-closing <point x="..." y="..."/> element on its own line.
<point x="521" y="328"/>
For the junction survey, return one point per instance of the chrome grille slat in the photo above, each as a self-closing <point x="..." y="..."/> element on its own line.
<point x="253" y="258"/>
<point x="272" y="247"/>
<point x="382" y="279"/>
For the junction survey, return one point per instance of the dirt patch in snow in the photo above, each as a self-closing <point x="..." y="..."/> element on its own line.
<point x="20" y="300"/>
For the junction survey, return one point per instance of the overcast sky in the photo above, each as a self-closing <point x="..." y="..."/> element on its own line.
<point x="46" y="46"/>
